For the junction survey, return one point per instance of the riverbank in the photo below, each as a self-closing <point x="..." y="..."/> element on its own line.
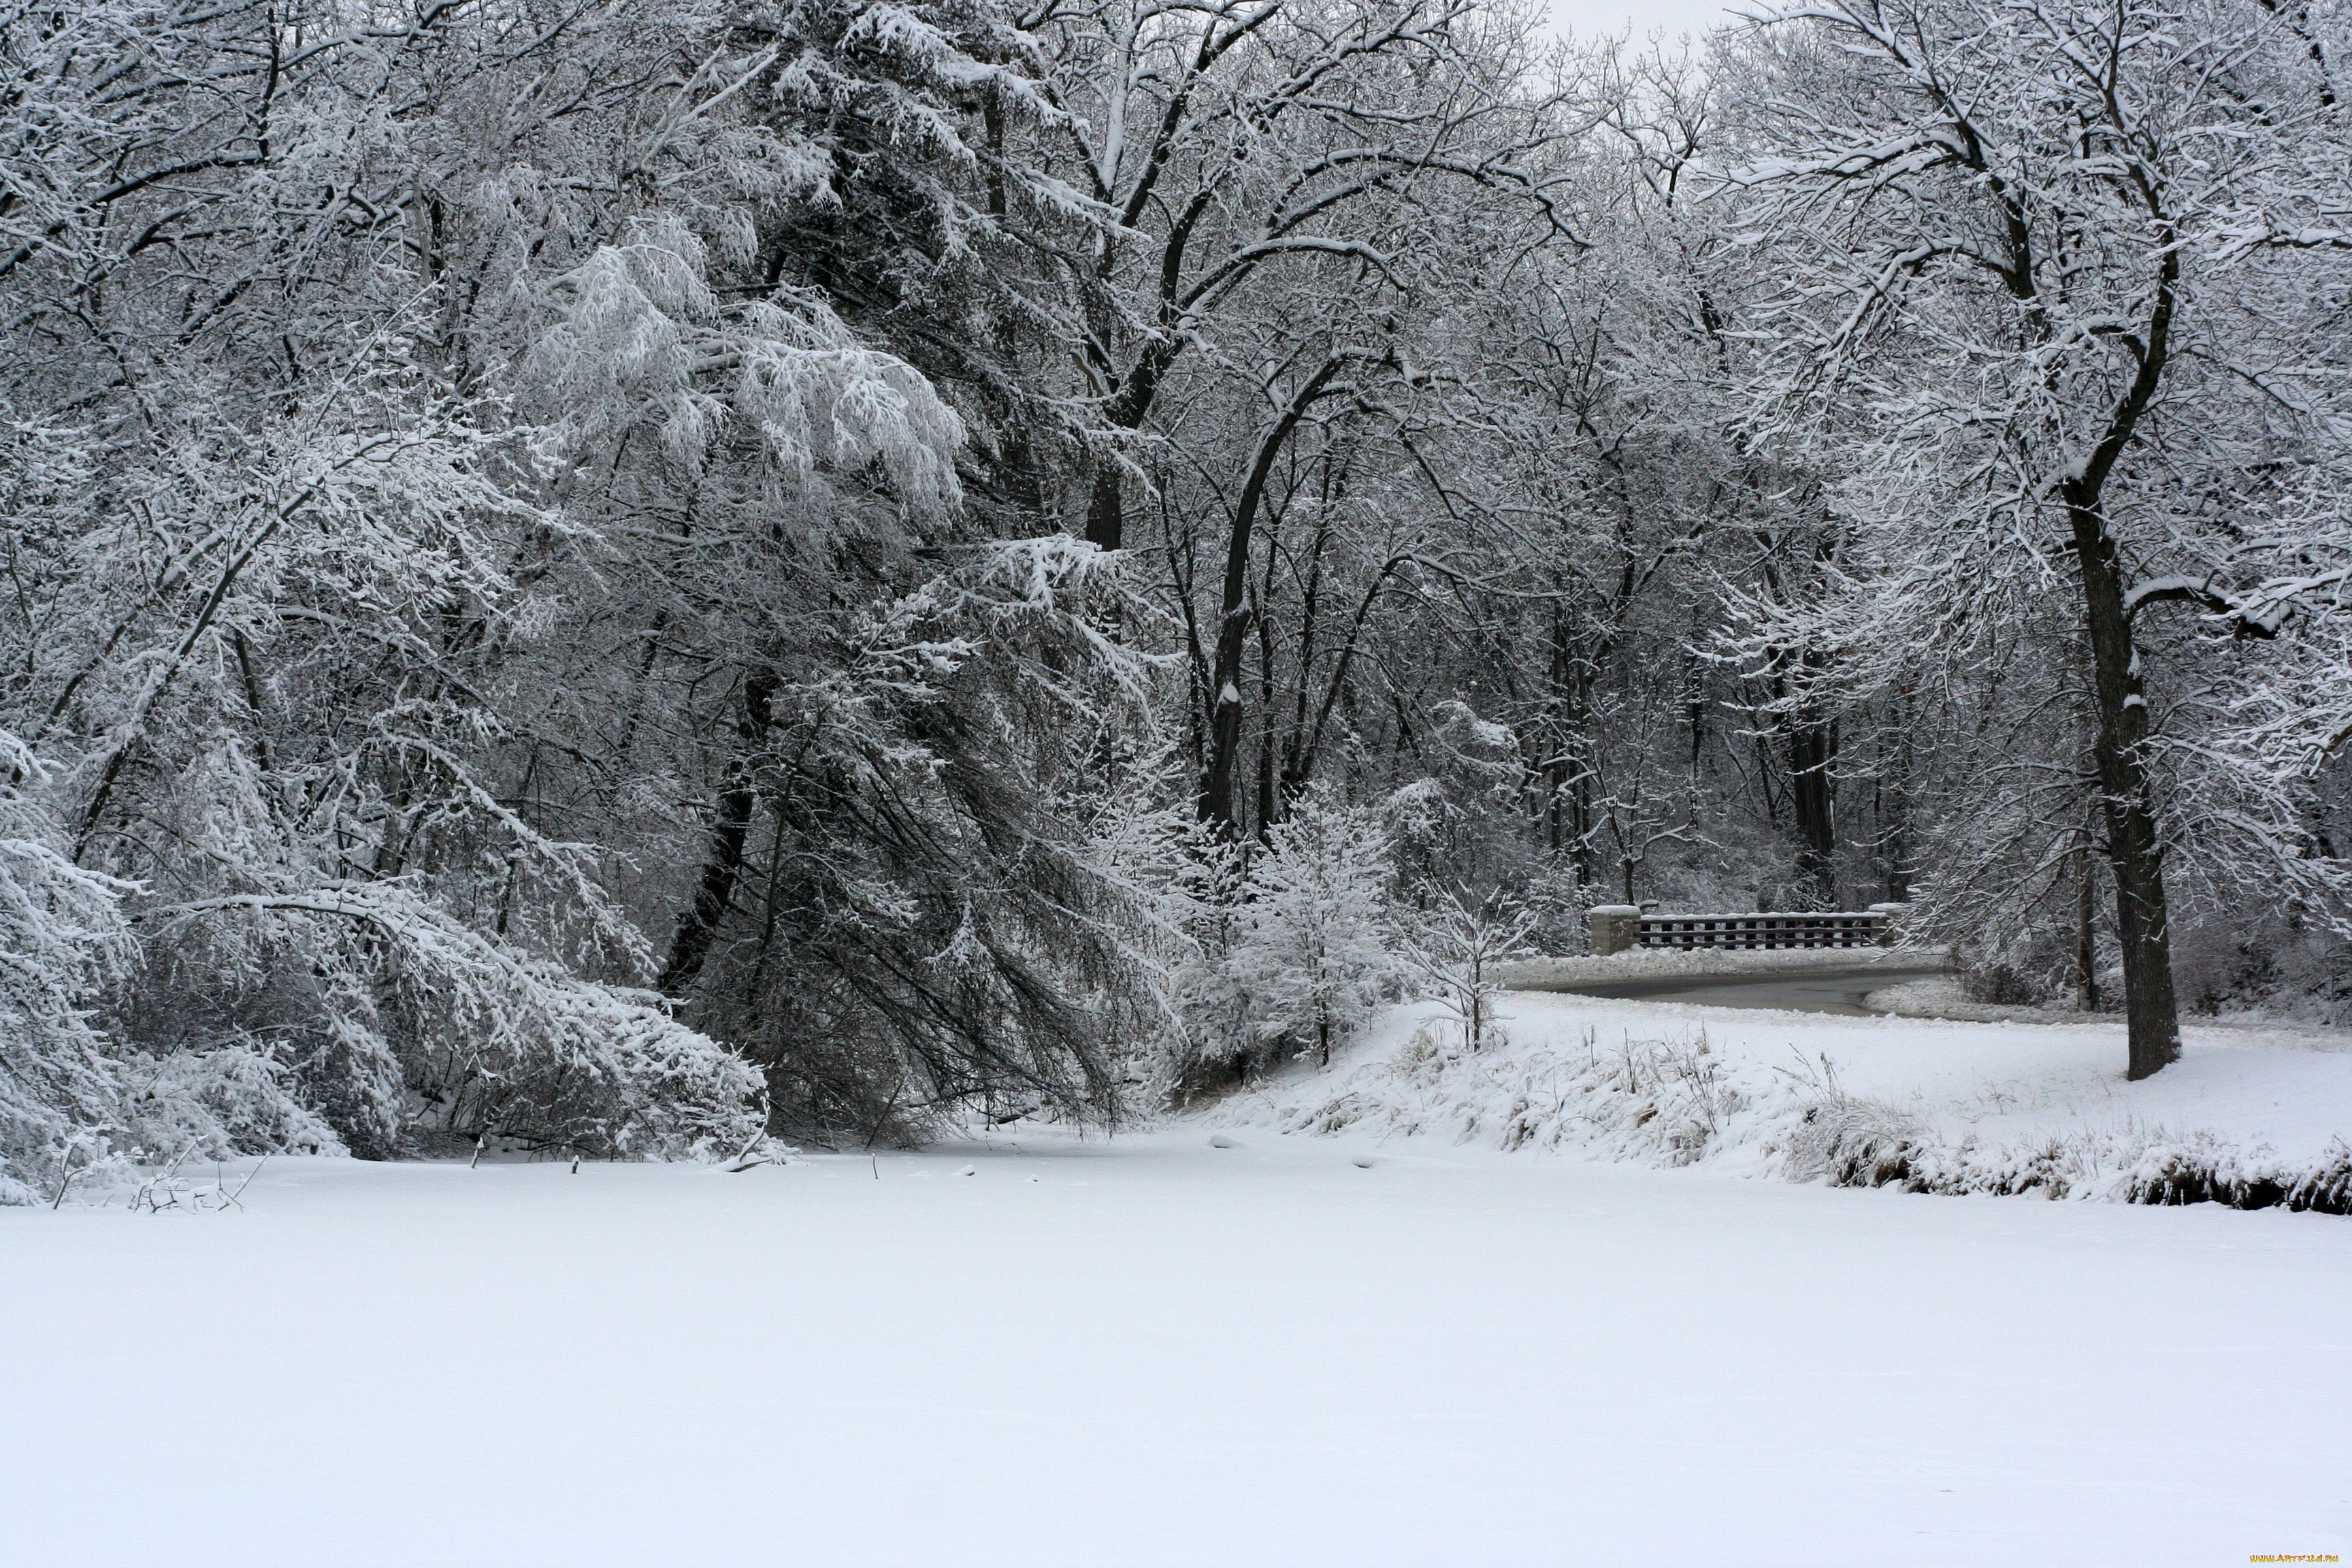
<point x="2249" y="1117"/>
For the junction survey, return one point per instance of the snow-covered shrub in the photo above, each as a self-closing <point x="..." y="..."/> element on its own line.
<point x="233" y="1100"/>
<point x="1288" y="945"/>
<point x="603" y="1071"/>
<point x="2278" y="960"/>
<point x="1202" y="898"/>
<point x="401" y="1016"/>
<point x="1457" y="946"/>
<point x="1861" y="1143"/>
<point x="1313" y="950"/>
<point x="1852" y="1143"/>
<point x="1681" y="1101"/>
<point x="2002" y="985"/>
<point x="1667" y="1100"/>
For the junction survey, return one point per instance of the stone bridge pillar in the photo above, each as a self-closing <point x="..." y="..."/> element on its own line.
<point x="1615" y="928"/>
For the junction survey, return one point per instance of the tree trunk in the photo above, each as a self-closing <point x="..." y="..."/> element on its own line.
<point x="1894" y="823"/>
<point x="2134" y="852"/>
<point x="1268" y="807"/>
<point x="1106" y="508"/>
<point x="1233" y="610"/>
<point x="1107" y="511"/>
<point x="2086" y="951"/>
<point x="1810" y="747"/>
<point x="697" y="928"/>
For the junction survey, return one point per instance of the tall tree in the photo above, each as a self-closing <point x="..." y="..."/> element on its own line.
<point x="1998" y="218"/>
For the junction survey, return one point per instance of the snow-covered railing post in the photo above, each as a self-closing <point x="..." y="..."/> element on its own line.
<point x="1615" y="928"/>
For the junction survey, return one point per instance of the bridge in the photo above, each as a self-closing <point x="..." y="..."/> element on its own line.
<point x="1617" y="928"/>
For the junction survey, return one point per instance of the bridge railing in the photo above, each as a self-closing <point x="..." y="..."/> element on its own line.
<point x="1617" y="927"/>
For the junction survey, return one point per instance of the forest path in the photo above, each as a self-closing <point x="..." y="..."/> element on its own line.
<point x="1839" y="990"/>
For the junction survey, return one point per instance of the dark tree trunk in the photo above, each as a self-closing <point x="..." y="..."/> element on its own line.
<point x="1217" y="787"/>
<point x="1812" y="747"/>
<point x="1106" y="507"/>
<point x="1106" y="512"/>
<point x="697" y="928"/>
<point x="2135" y="849"/>
<point x="1268" y="808"/>
<point x="1225" y="709"/>
<point x="2086" y="949"/>
<point x="1894" y="823"/>
<point x="1297" y="761"/>
<point x="1563" y="717"/>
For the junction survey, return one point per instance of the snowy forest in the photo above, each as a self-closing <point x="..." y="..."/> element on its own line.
<point x="628" y="576"/>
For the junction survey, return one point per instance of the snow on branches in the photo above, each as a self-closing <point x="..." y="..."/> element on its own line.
<point x="62" y="941"/>
<point x="639" y="337"/>
<point x="1290" y="945"/>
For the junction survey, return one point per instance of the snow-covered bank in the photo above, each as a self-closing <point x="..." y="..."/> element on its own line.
<point x="1146" y="1351"/>
<point x="1943" y="996"/>
<point x="2248" y="1117"/>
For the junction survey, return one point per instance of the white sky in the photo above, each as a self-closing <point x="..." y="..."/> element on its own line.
<point x="1590" y="18"/>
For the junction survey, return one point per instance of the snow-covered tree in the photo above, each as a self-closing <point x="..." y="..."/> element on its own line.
<point x="1315" y="951"/>
<point x="1457" y="945"/>
<point x="2018" y="330"/>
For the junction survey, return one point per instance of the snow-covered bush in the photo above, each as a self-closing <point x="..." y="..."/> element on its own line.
<point x="210" y="1104"/>
<point x="1457" y="948"/>
<point x="403" y="1017"/>
<point x="1203" y="890"/>
<point x="1671" y="1101"/>
<point x="1313" y="950"/>
<point x="1289" y="945"/>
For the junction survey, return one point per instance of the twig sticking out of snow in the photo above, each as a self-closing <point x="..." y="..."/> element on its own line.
<point x="249" y="1180"/>
<point x="165" y="1190"/>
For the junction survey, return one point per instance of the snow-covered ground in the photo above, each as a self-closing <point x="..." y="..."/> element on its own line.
<point x="1362" y="1347"/>
<point x="1943" y="996"/>
<point x="1150" y="1350"/>
<point x="2007" y="1106"/>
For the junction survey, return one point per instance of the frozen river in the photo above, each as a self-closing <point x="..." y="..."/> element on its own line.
<point x="1150" y="1350"/>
